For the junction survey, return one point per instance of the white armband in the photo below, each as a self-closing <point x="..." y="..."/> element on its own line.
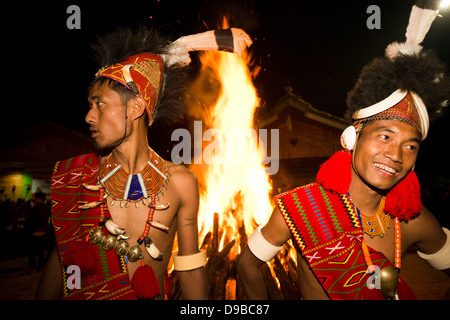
<point x="190" y="262"/>
<point x="260" y="247"/>
<point x="439" y="260"/>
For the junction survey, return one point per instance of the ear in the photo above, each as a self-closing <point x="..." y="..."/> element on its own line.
<point x="137" y="108"/>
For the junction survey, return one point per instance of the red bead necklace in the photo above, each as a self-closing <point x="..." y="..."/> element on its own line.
<point x="117" y="239"/>
<point x="397" y="241"/>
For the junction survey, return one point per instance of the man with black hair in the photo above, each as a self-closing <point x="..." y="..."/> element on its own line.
<point x="116" y="213"/>
<point x="352" y="226"/>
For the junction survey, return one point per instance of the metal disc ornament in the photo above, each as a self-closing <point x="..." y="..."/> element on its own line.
<point x="388" y="283"/>
<point x="134" y="253"/>
<point x="109" y="242"/>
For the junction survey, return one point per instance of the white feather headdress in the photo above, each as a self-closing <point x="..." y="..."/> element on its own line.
<point x="420" y="21"/>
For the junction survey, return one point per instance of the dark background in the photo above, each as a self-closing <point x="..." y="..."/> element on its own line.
<point x="317" y="47"/>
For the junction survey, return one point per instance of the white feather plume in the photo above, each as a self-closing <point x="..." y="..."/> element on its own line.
<point x="177" y="54"/>
<point x="394" y="49"/>
<point x="420" y="21"/>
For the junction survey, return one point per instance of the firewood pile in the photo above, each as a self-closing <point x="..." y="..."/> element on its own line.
<point x="280" y="274"/>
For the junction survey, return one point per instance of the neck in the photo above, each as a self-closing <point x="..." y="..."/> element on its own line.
<point x="363" y="196"/>
<point x="132" y="154"/>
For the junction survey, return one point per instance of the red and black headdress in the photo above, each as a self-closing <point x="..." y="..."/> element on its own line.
<point x="152" y="67"/>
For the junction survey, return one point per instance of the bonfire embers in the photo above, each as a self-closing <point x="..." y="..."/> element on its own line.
<point x="280" y="274"/>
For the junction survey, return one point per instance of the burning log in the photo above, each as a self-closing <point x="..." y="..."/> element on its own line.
<point x="223" y="279"/>
<point x="219" y="264"/>
<point x="217" y="272"/>
<point x="215" y="235"/>
<point x="271" y="286"/>
<point x="242" y="235"/>
<point x="206" y="240"/>
<point x="287" y="286"/>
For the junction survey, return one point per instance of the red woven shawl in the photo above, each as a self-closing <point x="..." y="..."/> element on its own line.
<point x="110" y="279"/>
<point x="326" y="229"/>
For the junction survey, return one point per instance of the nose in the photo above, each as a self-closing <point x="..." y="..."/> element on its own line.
<point x="395" y="153"/>
<point x="90" y="116"/>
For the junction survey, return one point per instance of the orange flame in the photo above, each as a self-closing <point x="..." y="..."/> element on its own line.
<point x="234" y="183"/>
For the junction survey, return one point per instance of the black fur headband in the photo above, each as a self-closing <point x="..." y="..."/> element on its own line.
<point x="422" y="73"/>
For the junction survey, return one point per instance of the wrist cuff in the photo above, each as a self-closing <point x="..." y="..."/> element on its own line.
<point x="190" y="262"/>
<point x="260" y="247"/>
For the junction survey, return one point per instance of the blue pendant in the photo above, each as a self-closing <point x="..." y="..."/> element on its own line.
<point x="135" y="188"/>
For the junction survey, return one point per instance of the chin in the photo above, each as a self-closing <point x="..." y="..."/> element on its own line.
<point x="100" y="146"/>
<point x="383" y="185"/>
<point x="105" y="145"/>
<point x="97" y="145"/>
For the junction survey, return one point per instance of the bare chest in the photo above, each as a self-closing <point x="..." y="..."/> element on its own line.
<point x="133" y="218"/>
<point x="384" y="244"/>
<point x="387" y="244"/>
<point x="161" y="224"/>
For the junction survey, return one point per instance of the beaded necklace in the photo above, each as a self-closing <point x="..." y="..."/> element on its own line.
<point x="388" y="276"/>
<point x="124" y="187"/>
<point x="369" y="227"/>
<point x="120" y="186"/>
<point x="377" y="224"/>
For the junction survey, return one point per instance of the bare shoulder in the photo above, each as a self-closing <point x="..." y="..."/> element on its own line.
<point x="422" y="223"/>
<point x="180" y="174"/>
<point x="425" y="231"/>
<point x="183" y="180"/>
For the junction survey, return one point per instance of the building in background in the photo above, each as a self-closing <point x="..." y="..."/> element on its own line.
<point x="27" y="159"/>
<point x="307" y="138"/>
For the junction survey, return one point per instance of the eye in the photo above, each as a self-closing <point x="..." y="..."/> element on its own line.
<point x="96" y="104"/>
<point x="384" y="137"/>
<point x="412" y="147"/>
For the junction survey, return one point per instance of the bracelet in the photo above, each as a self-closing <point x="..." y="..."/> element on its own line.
<point x="189" y="262"/>
<point x="260" y="247"/>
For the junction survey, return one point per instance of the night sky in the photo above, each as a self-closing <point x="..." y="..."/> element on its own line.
<point x="317" y="47"/>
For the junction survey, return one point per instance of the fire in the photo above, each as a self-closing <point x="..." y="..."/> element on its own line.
<point x="235" y="190"/>
<point x="234" y="184"/>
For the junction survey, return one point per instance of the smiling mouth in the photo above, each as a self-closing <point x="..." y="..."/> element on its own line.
<point x="385" y="169"/>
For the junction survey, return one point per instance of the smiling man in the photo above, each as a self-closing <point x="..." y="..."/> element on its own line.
<point x="352" y="226"/>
